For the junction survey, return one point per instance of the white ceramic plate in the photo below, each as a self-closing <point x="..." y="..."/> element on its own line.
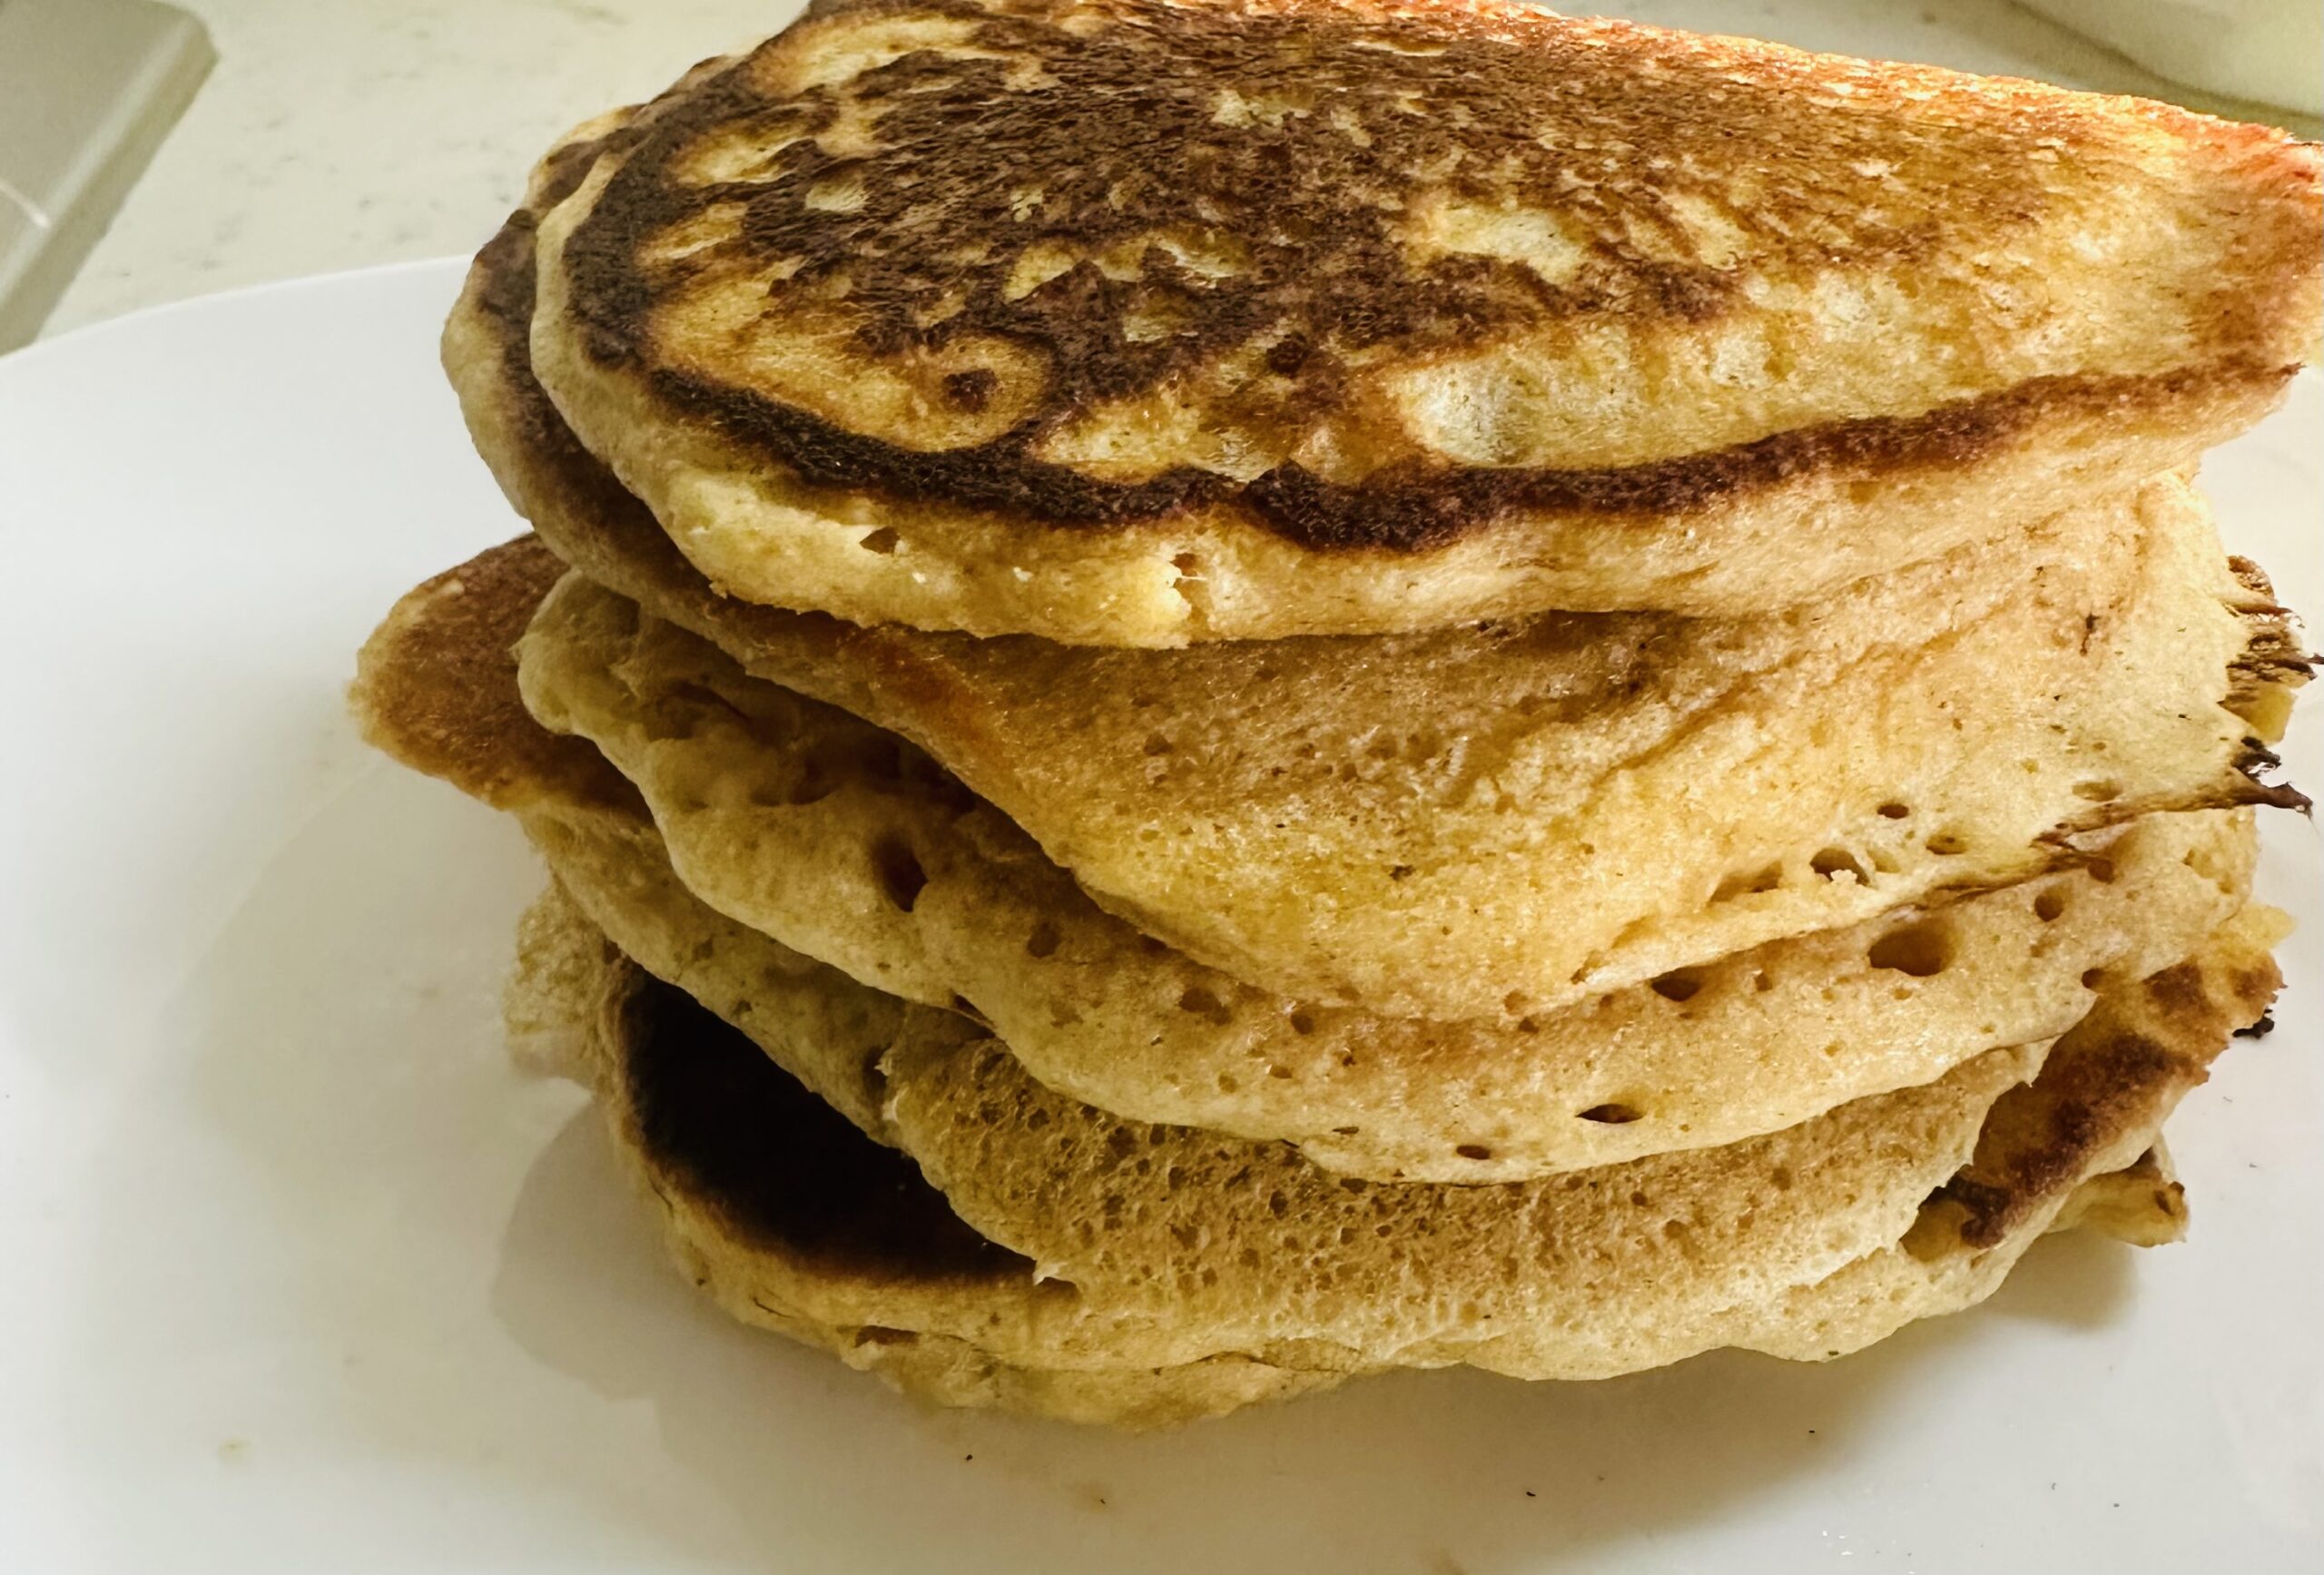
<point x="295" y="1275"/>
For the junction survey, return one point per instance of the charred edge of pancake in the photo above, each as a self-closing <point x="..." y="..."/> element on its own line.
<point x="1403" y="509"/>
<point x="2255" y="793"/>
<point x="2235" y="788"/>
<point x="1409" y="509"/>
<point x="2250" y="792"/>
<point x="503" y="285"/>
<point x="2273" y="656"/>
<point x="2272" y="663"/>
<point x="784" y="1170"/>
<point x="503" y="280"/>
<point x="2095" y="1097"/>
<point x="2274" y="630"/>
<point x="2041" y="1136"/>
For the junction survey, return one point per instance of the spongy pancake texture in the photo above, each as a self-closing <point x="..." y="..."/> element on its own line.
<point x="1158" y="1248"/>
<point x="1761" y="1041"/>
<point x="1596" y="1272"/>
<point x="1017" y="1246"/>
<point x="1744" y="1045"/>
<point x="745" y="1168"/>
<point x="1481" y="823"/>
<point x="1136" y="322"/>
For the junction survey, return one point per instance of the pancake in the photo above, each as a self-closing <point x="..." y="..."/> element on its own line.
<point x="1382" y="1101"/>
<point x="2142" y="1204"/>
<point x="1135" y="323"/>
<point x="435" y="686"/>
<point x="747" y="1166"/>
<point x="817" y="1234"/>
<point x="1748" y="1045"/>
<point x="963" y="698"/>
<point x="1159" y="1242"/>
<point x="1617" y="1268"/>
<point x="1489" y="824"/>
<point x="1153" y="1246"/>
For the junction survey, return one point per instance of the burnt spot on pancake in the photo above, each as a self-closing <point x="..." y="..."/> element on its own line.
<point x="2118" y="1071"/>
<point x="2057" y="1123"/>
<point x="972" y="389"/>
<point x="502" y="282"/>
<point x="786" y="1172"/>
<point x="2177" y="990"/>
<point x="1132" y="193"/>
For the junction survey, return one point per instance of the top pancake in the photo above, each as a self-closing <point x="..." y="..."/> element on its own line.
<point x="1136" y="323"/>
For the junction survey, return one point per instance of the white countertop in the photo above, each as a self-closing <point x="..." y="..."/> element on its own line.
<point x="338" y="133"/>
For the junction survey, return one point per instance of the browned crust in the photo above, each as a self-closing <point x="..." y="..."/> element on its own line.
<point x="436" y="687"/>
<point x="2274" y="661"/>
<point x="783" y="1171"/>
<point x="1411" y="508"/>
<point x="501" y="285"/>
<point x="1150" y="69"/>
<point x="2118" y="1072"/>
<point x="606" y="531"/>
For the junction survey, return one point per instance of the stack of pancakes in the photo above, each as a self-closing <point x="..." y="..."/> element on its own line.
<point x="1227" y="692"/>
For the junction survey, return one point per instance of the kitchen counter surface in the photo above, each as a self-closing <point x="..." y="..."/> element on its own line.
<point x="332" y="135"/>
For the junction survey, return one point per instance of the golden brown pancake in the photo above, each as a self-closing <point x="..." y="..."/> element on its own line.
<point x="744" y="1165"/>
<point x="1374" y="331"/>
<point x="1752" y="1043"/>
<point x="1759" y="1042"/>
<point x="1476" y="824"/>
<point x="1149" y="1244"/>
<point x="990" y="709"/>
<point x="1135" y="323"/>
<point x="1071" y="1263"/>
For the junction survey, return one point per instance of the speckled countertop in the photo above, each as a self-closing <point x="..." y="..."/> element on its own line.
<point x="339" y="133"/>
